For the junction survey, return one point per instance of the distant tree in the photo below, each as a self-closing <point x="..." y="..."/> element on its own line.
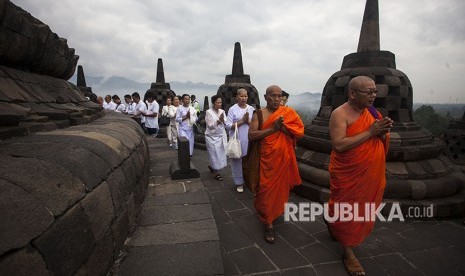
<point x="427" y="117"/>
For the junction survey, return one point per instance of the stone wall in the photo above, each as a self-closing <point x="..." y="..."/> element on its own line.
<point x="69" y="198"/>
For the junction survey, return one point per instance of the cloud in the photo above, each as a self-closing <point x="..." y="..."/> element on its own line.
<point x="296" y="44"/>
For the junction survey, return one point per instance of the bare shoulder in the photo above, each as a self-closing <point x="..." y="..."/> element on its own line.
<point x="339" y="111"/>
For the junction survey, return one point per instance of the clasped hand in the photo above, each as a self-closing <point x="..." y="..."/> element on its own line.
<point x="381" y="127"/>
<point x="278" y="123"/>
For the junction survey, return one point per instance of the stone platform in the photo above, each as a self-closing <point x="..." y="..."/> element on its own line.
<point x="176" y="235"/>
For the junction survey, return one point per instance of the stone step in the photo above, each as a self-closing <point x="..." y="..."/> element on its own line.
<point x="36" y="118"/>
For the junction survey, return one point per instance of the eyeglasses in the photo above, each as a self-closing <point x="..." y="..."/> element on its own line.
<point x="367" y="92"/>
<point x="275" y="96"/>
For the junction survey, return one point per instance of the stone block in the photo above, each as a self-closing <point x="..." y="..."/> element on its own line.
<point x="383" y="90"/>
<point x="393" y="80"/>
<point x="67" y="243"/>
<point x="419" y="189"/>
<point x="26" y="261"/>
<point x="404" y="115"/>
<point x="101" y="257"/>
<point x="57" y="193"/>
<point x="98" y="207"/>
<point x="65" y="154"/>
<point x="393" y="102"/>
<point x="23" y="217"/>
<point x="120" y="231"/>
<point x="120" y="189"/>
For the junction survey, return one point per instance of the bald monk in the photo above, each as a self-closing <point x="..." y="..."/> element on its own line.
<point x="360" y="140"/>
<point x="281" y="128"/>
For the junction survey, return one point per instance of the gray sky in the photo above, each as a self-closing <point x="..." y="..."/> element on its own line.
<point x="297" y="44"/>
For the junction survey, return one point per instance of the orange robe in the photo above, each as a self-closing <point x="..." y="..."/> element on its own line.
<point x="278" y="165"/>
<point x="358" y="176"/>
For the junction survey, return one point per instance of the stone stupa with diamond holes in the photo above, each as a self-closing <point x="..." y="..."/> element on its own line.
<point x="417" y="172"/>
<point x="162" y="91"/>
<point x="237" y="80"/>
<point x="454" y="138"/>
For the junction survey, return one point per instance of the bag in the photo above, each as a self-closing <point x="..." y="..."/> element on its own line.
<point x="251" y="162"/>
<point x="163" y="121"/>
<point x="233" y="149"/>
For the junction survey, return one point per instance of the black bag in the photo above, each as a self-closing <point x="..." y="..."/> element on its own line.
<point x="163" y="121"/>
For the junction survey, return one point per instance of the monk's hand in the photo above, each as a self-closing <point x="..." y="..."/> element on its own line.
<point x="278" y="123"/>
<point x="381" y="127"/>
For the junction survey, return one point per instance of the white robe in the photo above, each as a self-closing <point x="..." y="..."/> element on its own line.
<point x="172" y="129"/>
<point x="186" y="127"/>
<point x="215" y="139"/>
<point x="235" y="114"/>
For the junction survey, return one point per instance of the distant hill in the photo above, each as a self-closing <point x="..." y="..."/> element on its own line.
<point x="120" y="85"/>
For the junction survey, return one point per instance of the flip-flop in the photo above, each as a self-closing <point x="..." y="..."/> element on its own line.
<point x="219" y="177"/>
<point x="269" y="235"/>
<point x="353" y="267"/>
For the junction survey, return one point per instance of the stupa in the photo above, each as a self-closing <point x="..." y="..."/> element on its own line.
<point x="237" y="80"/>
<point x="82" y="85"/>
<point x="162" y="91"/>
<point x="417" y="172"/>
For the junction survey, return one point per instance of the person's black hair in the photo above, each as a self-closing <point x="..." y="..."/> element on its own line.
<point x="285" y="94"/>
<point x="127" y="96"/>
<point x="135" y="94"/>
<point x="214" y="98"/>
<point x="184" y="95"/>
<point x="193" y="97"/>
<point x="115" y="97"/>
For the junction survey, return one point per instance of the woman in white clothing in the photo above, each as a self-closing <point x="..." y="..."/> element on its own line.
<point x="240" y="113"/>
<point x="215" y="137"/>
<point x="172" y="129"/>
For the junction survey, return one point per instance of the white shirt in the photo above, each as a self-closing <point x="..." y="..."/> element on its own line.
<point x="152" y="122"/>
<point x="109" y="106"/>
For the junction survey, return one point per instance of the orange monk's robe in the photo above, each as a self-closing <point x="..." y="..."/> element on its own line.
<point x="278" y="165"/>
<point x="358" y="176"/>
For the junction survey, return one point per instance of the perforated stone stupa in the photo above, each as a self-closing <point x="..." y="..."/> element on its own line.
<point x="237" y="80"/>
<point x="418" y="174"/>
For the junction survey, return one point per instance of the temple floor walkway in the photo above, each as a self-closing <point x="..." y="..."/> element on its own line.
<point x="204" y="227"/>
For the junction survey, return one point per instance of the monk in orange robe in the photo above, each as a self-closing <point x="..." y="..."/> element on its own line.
<point x="281" y="128"/>
<point x="360" y="141"/>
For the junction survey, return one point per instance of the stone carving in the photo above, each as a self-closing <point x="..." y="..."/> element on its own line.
<point x="417" y="173"/>
<point x="454" y="139"/>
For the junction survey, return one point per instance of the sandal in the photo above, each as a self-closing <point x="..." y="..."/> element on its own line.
<point x="353" y="267"/>
<point x="218" y="177"/>
<point x="269" y="235"/>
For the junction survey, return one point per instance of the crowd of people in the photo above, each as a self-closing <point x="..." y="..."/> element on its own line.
<point x="359" y="138"/>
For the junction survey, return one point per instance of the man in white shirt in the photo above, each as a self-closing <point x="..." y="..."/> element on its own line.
<point x="151" y="115"/>
<point x="108" y="103"/>
<point x="119" y="106"/>
<point x="139" y="109"/>
<point x="130" y="105"/>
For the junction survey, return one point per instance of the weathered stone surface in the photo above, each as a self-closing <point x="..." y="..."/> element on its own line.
<point x="33" y="175"/>
<point x="101" y="257"/>
<point x="25" y="262"/>
<point x="67" y="244"/>
<point x="120" y="189"/>
<point x="120" y="230"/>
<point x="23" y="217"/>
<point x="98" y="207"/>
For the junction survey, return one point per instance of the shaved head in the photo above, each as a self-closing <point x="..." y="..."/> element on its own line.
<point x="356" y="82"/>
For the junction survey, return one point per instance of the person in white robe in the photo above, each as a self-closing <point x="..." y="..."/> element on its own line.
<point x="130" y="105"/>
<point x="172" y="129"/>
<point x="139" y="110"/>
<point x="215" y="137"/>
<point x="186" y="116"/>
<point x="240" y="113"/>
